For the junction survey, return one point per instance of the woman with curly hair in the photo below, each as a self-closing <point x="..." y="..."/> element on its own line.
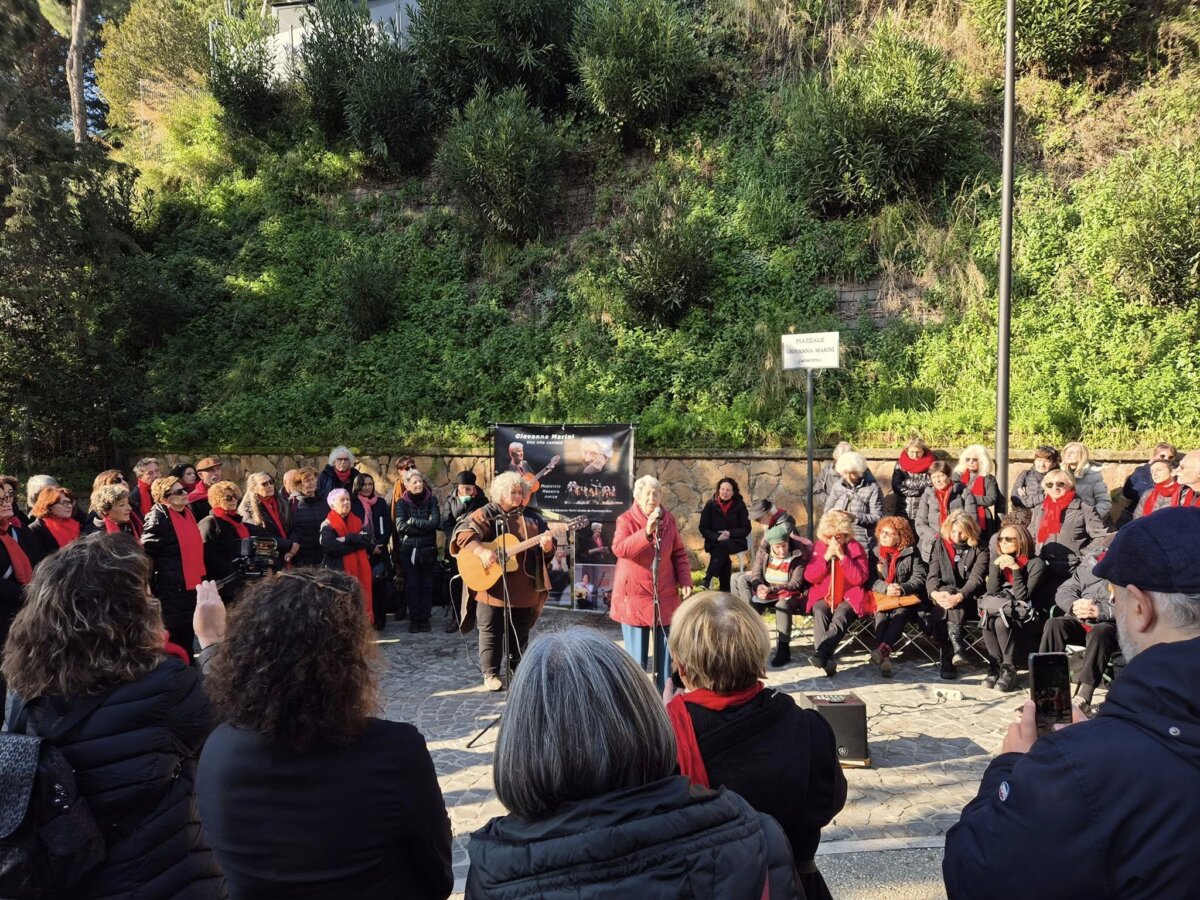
<point x="89" y="642"/>
<point x="111" y="511"/>
<point x="172" y="538"/>
<point x="303" y="792"/>
<point x="54" y="524"/>
<point x="897" y="570"/>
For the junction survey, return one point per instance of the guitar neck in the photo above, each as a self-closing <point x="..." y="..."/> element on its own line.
<point x="536" y="539"/>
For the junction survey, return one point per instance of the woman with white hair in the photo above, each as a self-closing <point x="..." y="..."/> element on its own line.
<point x="981" y="497"/>
<point x="857" y="492"/>
<point x="585" y="766"/>
<point x="828" y="477"/>
<point x="1089" y="483"/>
<point x="339" y="473"/>
<point x="647" y="544"/>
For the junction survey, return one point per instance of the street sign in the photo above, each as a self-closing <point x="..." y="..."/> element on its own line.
<point x="818" y="350"/>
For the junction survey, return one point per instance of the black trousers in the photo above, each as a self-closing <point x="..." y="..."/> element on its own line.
<point x="418" y="587"/>
<point x="490" y="621"/>
<point x="890" y="625"/>
<point x="829" y="626"/>
<point x="1008" y="644"/>
<point x="178" y="610"/>
<point x="1100" y="645"/>
<point x="720" y="566"/>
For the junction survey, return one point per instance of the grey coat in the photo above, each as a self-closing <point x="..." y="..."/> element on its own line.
<point x="1084" y="584"/>
<point x="1027" y="489"/>
<point x="864" y="501"/>
<point x="928" y="520"/>
<point x="1092" y="490"/>
<point x="1080" y="526"/>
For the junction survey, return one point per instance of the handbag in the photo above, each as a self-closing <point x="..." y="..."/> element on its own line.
<point x="877" y="602"/>
<point x="1006" y="607"/>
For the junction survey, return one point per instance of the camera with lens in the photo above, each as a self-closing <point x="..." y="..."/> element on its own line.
<point x="257" y="557"/>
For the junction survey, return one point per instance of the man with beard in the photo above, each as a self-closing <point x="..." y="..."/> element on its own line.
<point x="1106" y="808"/>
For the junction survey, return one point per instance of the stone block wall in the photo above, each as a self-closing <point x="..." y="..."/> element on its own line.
<point x="688" y="480"/>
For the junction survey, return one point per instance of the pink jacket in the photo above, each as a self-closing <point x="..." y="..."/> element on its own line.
<point x="855" y="568"/>
<point x="633" y="592"/>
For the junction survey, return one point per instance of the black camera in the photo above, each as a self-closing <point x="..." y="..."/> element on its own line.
<point x="257" y="557"/>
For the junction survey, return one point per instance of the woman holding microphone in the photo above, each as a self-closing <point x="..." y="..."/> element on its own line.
<point x="640" y="603"/>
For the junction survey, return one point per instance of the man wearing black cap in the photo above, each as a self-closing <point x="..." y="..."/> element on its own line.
<point x="1107" y="808"/>
<point x="465" y="500"/>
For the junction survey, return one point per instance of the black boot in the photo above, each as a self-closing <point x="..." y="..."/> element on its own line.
<point x="1007" y="680"/>
<point x="783" y="651"/>
<point x="947" y="669"/>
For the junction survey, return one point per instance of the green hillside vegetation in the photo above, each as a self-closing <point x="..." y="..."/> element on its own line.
<point x="610" y="210"/>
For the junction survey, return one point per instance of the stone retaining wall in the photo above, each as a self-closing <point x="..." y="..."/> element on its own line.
<point x="688" y="480"/>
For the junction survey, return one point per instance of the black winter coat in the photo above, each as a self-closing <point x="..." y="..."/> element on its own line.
<point x="928" y="520"/>
<point x="12" y="594"/>
<point x="333" y="549"/>
<point x="221" y="547"/>
<point x="418" y="520"/>
<point x="1024" y="580"/>
<point x="911" y="572"/>
<point x="328" y="481"/>
<point x="1027" y="490"/>
<point x="305" y="530"/>
<point x="908" y="488"/>
<point x="41" y="542"/>
<point x="782" y="759"/>
<point x="370" y="823"/>
<point x="1080" y="526"/>
<point x="966" y="575"/>
<point x="663" y="841"/>
<point x="1101" y="810"/>
<point x="737" y="523"/>
<point x="160" y="542"/>
<point x="138" y="751"/>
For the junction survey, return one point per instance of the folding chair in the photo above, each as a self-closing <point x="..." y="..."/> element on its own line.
<point x="973" y="635"/>
<point x="916" y="638"/>
<point x="855" y="637"/>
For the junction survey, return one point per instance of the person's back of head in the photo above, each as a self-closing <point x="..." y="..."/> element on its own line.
<point x="297" y="662"/>
<point x="88" y="621"/>
<point x="582" y="720"/>
<point x="719" y="643"/>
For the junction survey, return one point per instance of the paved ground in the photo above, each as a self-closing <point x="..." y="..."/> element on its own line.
<point x="928" y="750"/>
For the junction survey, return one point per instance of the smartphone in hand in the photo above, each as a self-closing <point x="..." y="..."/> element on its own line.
<point x="1050" y="689"/>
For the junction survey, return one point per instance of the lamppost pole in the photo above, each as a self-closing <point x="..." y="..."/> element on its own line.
<point x="1006" y="218"/>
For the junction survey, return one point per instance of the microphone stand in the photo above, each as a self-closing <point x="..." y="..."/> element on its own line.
<point x="656" y="628"/>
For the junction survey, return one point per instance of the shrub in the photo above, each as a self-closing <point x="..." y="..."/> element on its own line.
<point x="367" y="283"/>
<point x="890" y="119"/>
<point x="242" y="71"/>
<point x="668" y="261"/>
<point x="635" y="58"/>
<point x="338" y="36"/>
<point x="388" y="109"/>
<point x="1057" y="34"/>
<point x="497" y="43"/>
<point x="499" y="157"/>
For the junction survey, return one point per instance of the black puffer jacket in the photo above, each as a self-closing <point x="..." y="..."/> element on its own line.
<point x="908" y="488"/>
<point x="661" y="841"/>
<point x="138" y="751"/>
<point x="328" y="481"/>
<point x="305" y="530"/>
<point x="418" y="521"/>
<point x="162" y="544"/>
<point x="966" y="575"/>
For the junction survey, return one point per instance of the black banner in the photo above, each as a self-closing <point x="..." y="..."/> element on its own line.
<point x="575" y="470"/>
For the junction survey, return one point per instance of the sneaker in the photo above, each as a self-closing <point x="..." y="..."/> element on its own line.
<point x="1007" y="680"/>
<point x="989" y="680"/>
<point x="877" y="656"/>
<point x="493" y="683"/>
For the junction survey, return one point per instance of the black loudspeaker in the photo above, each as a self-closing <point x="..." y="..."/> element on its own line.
<point x="847" y="716"/>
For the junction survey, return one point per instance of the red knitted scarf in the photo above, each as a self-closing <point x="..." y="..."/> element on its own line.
<point x="691" y="764"/>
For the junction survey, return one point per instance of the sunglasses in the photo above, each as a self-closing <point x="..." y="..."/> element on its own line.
<point x="1006" y="540"/>
<point x="266" y="481"/>
<point x="1054" y="484"/>
<point x="178" y="492"/>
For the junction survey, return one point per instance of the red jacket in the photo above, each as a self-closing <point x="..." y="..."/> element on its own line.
<point x="633" y="593"/>
<point x="854" y="567"/>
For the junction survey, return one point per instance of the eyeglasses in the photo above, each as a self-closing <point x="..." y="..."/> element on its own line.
<point x="887" y="532"/>
<point x="233" y="497"/>
<point x="6" y="495"/>
<point x="265" y="481"/>
<point x="63" y="501"/>
<point x="178" y="492"/>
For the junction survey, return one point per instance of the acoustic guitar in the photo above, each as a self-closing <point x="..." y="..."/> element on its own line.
<point x="507" y="547"/>
<point x="535" y="481"/>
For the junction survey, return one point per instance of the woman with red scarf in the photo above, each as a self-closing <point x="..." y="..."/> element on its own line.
<point x="16" y="569"/>
<point x="725" y="526"/>
<point x="339" y="473"/>
<point x="264" y="513"/>
<point x="54" y="524"/>
<point x="1062" y="526"/>
<point x="910" y="478"/>
<point x="222" y="531"/>
<point x="1012" y="581"/>
<point x="897" y="570"/>
<point x="836" y="574"/>
<point x="944" y="495"/>
<point x="957" y="576"/>
<point x="981" y="495"/>
<point x="171" y="537"/>
<point x="111" y="512"/>
<point x="731" y="732"/>
<point x="346" y="545"/>
<point x="377" y="521"/>
<point x="1164" y="494"/>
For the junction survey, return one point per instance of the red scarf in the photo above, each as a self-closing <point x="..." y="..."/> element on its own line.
<point x="976" y="487"/>
<point x="199" y="492"/>
<point x="147" y="499"/>
<point x="22" y="569"/>
<point x="344" y="477"/>
<point x="235" y="521"/>
<point x="943" y="499"/>
<point x="111" y="527"/>
<point x="271" y="505"/>
<point x="173" y="649"/>
<point x="191" y="546"/>
<point x="64" y="530"/>
<point x="1052" y="514"/>
<point x="1189" y="497"/>
<point x="1166" y="489"/>
<point x="723" y="505"/>
<point x="1022" y="561"/>
<point x="687" y="749"/>
<point x="888" y="556"/>
<point x="356" y="564"/>
<point x="951" y="550"/>
<point x="918" y="466"/>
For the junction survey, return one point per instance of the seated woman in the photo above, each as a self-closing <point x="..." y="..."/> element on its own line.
<point x="731" y="733"/>
<point x="910" y="478"/>
<point x="596" y="811"/>
<point x="1062" y="526"/>
<point x="836" y="574"/>
<point x="777" y="582"/>
<point x="303" y="793"/>
<point x="1163" y="493"/>
<point x="981" y="496"/>
<point x="1027" y="489"/>
<point x="725" y="527"/>
<point x="1089" y="483"/>
<point x="1010" y="618"/>
<point x="54" y="524"/>
<point x="957" y="577"/>
<point x="944" y="494"/>
<point x="89" y="644"/>
<point x="857" y="493"/>
<point x="897" y="570"/>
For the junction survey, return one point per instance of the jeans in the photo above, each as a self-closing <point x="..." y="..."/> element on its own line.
<point x="637" y="645"/>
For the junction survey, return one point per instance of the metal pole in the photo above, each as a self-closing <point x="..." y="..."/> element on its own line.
<point x="1006" y="218"/>
<point x="809" y="442"/>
